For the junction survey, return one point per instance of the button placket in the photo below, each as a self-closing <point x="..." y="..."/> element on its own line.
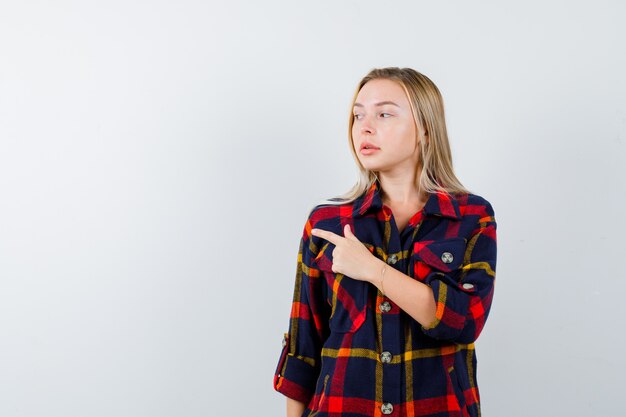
<point x="394" y="248"/>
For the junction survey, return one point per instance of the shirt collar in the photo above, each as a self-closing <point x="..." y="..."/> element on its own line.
<point x="438" y="203"/>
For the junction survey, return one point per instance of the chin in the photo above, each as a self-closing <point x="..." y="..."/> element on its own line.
<point x="375" y="167"/>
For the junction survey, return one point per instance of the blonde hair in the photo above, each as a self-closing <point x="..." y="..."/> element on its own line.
<point x="435" y="157"/>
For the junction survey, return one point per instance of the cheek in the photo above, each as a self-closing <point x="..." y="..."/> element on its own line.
<point x="402" y="140"/>
<point x="407" y="131"/>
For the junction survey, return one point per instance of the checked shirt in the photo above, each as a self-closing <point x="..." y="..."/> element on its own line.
<point x="352" y="352"/>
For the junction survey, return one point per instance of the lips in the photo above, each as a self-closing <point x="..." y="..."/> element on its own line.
<point x="367" y="145"/>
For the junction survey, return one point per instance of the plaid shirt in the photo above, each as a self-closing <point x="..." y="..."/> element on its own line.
<point x="352" y="352"/>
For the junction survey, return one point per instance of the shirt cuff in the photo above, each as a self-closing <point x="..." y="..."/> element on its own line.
<point x="295" y="376"/>
<point x="452" y="300"/>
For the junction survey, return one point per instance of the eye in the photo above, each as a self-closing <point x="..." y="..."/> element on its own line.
<point x="385" y="113"/>
<point x="356" y="116"/>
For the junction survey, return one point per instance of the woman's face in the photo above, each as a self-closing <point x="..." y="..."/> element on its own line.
<point x="382" y="116"/>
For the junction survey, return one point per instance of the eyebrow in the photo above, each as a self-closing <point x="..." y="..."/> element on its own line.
<point x="382" y="103"/>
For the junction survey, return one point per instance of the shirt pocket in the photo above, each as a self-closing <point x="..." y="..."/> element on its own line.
<point x="444" y="255"/>
<point x="346" y="296"/>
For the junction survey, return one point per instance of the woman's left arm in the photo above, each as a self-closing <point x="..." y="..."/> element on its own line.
<point x="448" y="309"/>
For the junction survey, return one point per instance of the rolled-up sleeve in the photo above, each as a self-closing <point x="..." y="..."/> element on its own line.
<point x="299" y="363"/>
<point x="463" y="304"/>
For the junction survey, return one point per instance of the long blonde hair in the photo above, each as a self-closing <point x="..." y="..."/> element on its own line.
<point x="435" y="157"/>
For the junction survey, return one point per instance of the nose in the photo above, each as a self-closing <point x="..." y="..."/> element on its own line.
<point x="366" y="126"/>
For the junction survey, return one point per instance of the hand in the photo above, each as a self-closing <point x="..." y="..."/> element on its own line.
<point x="350" y="256"/>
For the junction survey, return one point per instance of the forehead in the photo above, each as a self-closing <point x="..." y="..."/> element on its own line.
<point x="378" y="90"/>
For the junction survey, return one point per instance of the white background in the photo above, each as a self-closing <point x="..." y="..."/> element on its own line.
<point x="158" y="160"/>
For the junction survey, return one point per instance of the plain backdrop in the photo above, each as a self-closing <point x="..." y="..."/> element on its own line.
<point x="158" y="160"/>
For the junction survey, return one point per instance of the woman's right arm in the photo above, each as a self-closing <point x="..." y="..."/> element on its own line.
<point x="298" y="368"/>
<point x="294" y="408"/>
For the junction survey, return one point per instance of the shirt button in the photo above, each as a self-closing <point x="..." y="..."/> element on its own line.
<point x="386" y="408"/>
<point x="385" y="307"/>
<point x="385" y="357"/>
<point x="447" y="257"/>
<point x="468" y="286"/>
<point x="392" y="259"/>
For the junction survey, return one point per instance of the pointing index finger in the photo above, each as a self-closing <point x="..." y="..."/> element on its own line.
<point x="327" y="234"/>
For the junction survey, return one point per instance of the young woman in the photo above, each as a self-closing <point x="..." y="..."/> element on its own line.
<point x="395" y="279"/>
